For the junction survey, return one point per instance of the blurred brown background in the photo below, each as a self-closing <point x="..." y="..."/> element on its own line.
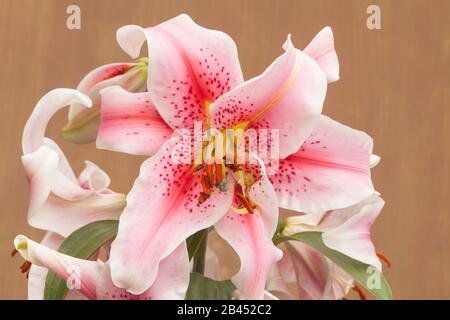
<point x="394" y="85"/>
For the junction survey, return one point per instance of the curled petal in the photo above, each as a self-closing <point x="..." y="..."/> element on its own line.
<point x="130" y="123"/>
<point x="94" y="77"/>
<point x="93" y="178"/>
<point x="83" y="123"/>
<point x="33" y="134"/>
<point x="60" y="205"/>
<point x="67" y="267"/>
<point x="352" y="237"/>
<point x="163" y="209"/>
<point x="38" y="275"/>
<point x="189" y="67"/>
<point x="330" y="171"/>
<point x="287" y="97"/>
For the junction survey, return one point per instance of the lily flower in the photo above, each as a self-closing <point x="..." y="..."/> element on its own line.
<point x="345" y="230"/>
<point x="194" y="76"/>
<point x="93" y="278"/>
<point x="59" y="201"/>
<point x="316" y="277"/>
<point x="83" y="122"/>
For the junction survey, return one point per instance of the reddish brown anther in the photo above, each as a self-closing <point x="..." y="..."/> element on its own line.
<point x="25" y="267"/>
<point x="384" y="259"/>
<point x="202" y="197"/>
<point x="360" y="291"/>
<point x="245" y="202"/>
<point x="13" y="253"/>
<point x="205" y="185"/>
<point x="218" y="168"/>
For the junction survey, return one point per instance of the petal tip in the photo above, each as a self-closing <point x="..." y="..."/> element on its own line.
<point x="131" y="38"/>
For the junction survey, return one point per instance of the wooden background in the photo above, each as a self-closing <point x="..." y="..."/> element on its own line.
<point x="394" y="85"/>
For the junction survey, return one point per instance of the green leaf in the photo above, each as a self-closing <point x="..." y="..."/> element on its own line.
<point x="195" y="241"/>
<point x="361" y="272"/>
<point x="82" y="244"/>
<point x="203" y="288"/>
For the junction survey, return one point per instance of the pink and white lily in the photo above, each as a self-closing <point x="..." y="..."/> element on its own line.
<point x="316" y="277"/>
<point x="194" y="75"/>
<point x="345" y="230"/>
<point x="59" y="202"/>
<point x="93" y="278"/>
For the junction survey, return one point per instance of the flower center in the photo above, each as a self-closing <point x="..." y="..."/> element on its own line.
<point x="224" y="158"/>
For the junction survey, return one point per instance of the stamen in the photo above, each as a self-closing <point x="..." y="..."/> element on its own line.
<point x="199" y="167"/>
<point x="218" y="168"/>
<point x="210" y="174"/>
<point x="360" y="291"/>
<point x="25" y="267"/>
<point x="245" y="202"/>
<point x="206" y="185"/>
<point x="384" y="259"/>
<point x="202" y="197"/>
<point x="13" y="253"/>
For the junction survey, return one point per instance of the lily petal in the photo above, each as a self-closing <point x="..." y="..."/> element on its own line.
<point x="317" y="278"/>
<point x="94" y="77"/>
<point x="321" y="49"/>
<point x="171" y="283"/>
<point x="48" y="105"/>
<point x="83" y="123"/>
<point x="276" y="285"/>
<point x="311" y="270"/>
<point x="59" y="205"/>
<point x="162" y="211"/>
<point x="330" y="171"/>
<point x="93" y="178"/>
<point x="67" y="267"/>
<point x="190" y="66"/>
<point x="130" y="123"/>
<point x="37" y="275"/>
<point x="352" y="238"/>
<point x="250" y="235"/>
<point x="287" y="97"/>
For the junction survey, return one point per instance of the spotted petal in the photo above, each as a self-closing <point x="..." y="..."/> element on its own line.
<point x="162" y="211"/>
<point x="330" y="171"/>
<point x="287" y="97"/>
<point x="130" y="123"/>
<point x="189" y="67"/>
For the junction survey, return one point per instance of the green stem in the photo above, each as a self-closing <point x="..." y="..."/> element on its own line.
<point x="200" y="254"/>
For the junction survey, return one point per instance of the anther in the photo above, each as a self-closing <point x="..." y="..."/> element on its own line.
<point x="218" y="169"/>
<point x="360" y="291"/>
<point x="246" y="203"/>
<point x="384" y="259"/>
<point x="202" y="197"/>
<point x="13" y="253"/>
<point x="210" y="174"/>
<point x="25" y="267"/>
<point x="205" y="185"/>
